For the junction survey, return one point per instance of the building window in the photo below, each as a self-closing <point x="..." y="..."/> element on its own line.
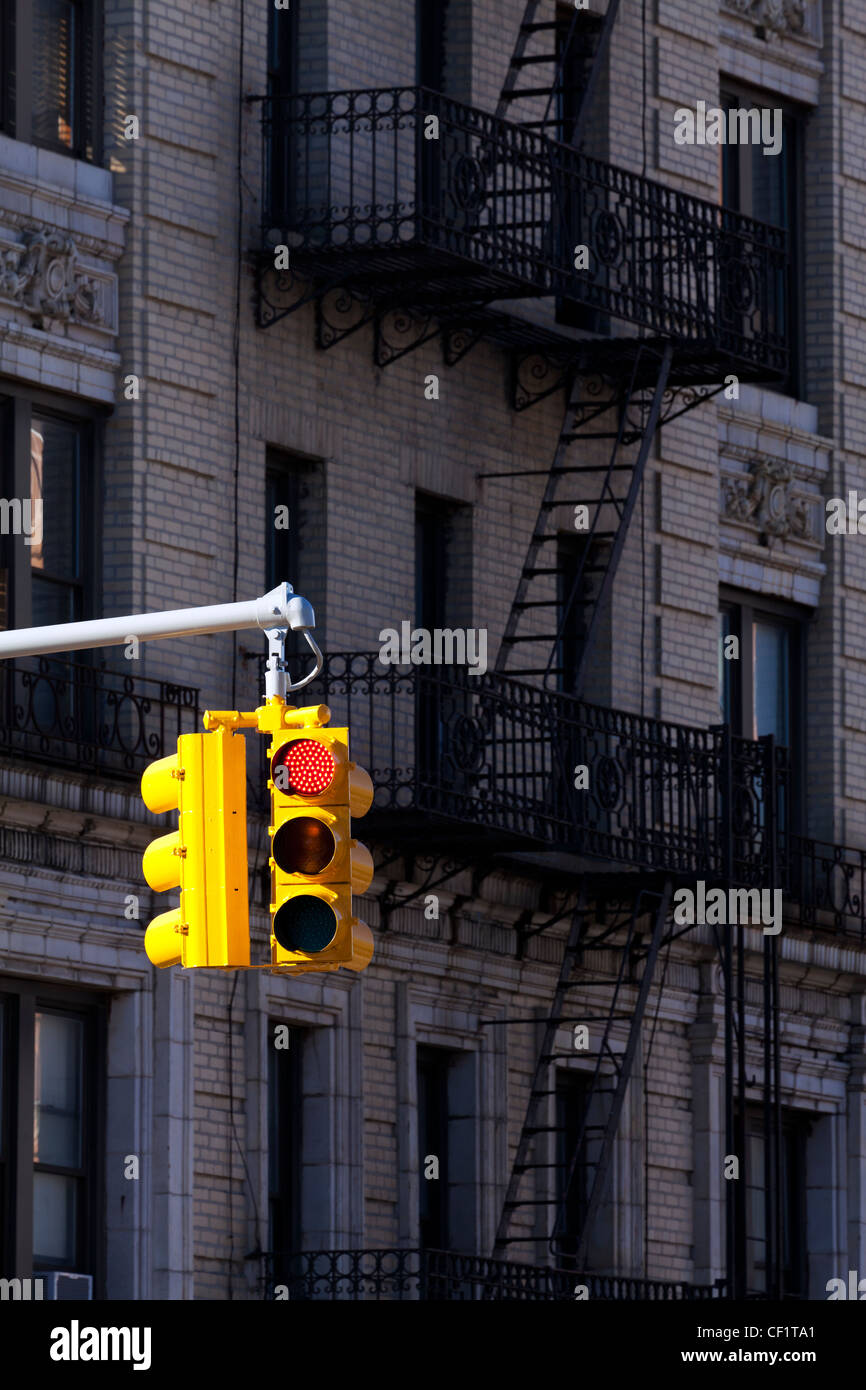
<point x="571" y="1100"/>
<point x="51" y="93"/>
<point x="5" y="1135"/>
<point x="574" y="603"/>
<point x="431" y="25"/>
<point x="443" y="579"/>
<point x="282" y="162"/>
<point x="763" y="691"/>
<point x="576" y="58"/>
<point x="295" y="535"/>
<point x="770" y="189"/>
<point x="53" y="1046"/>
<point x="446" y="1133"/>
<point x="760" y="692"/>
<point x="48" y="559"/>
<point x="792" y="1206"/>
<point x="58" y="1135"/>
<point x="574" y="61"/>
<point x="285" y="1152"/>
<point x="433" y="1145"/>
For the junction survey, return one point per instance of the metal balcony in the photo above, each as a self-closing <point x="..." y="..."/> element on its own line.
<point x="490" y="211"/>
<point x="88" y="719"/>
<point x="487" y="763"/>
<point x="444" y="1275"/>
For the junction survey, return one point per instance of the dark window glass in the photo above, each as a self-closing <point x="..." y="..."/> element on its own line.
<point x="433" y="545"/>
<point x="282" y="83"/>
<point x="295" y="534"/>
<point x="58" y="1140"/>
<point x="63" y="95"/>
<point x="285" y="1115"/>
<point x="792" y="1182"/>
<point x="571" y="1094"/>
<point x="575" y="49"/>
<point x="282" y="539"/>
<point x="433" y="1063"/>
<point x="4" y="1144"/>
<point x="577" y="37"/>
<point x="431" y="30"/>
<point x="7" y="66"/>
<point x="433" y="553"/>
<point x="571" y="613"/>
<point x="727" y="667"/>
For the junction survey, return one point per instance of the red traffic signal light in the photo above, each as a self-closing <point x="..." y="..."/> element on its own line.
<point x="303" y="767"/>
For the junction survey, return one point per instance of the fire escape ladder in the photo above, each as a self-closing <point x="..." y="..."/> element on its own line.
<point x="558" y="61"/>
<point x="538" y="1091"/>
<point x="593" y="1172"/>
<point x="609" y="510"/>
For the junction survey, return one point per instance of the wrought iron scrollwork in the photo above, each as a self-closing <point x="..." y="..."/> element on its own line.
<point x="489" y="209"/>
<point x="399" y="331"/>
<point x="341" y="312"/>
<point x="90" y="718"/>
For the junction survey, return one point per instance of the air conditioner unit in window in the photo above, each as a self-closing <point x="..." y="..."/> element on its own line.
<point x="59" y="1283"/>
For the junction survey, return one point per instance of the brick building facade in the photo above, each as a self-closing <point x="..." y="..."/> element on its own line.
<point x="163" y="392"/>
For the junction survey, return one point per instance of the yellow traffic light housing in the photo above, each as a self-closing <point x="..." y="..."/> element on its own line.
<point x="206" y="857"/>
<point x="316" y="864"/>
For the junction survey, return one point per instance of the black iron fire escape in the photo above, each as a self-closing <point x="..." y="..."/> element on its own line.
<point x="427" y="219"/>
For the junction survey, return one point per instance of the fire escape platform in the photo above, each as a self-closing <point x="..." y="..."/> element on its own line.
<point x="402" y="199"/>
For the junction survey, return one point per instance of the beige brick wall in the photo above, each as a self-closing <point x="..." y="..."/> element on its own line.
<point x="171" y="521"/>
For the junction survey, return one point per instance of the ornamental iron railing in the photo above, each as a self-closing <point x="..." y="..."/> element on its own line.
<point x="360" y="185"/>
<point x="453" y="754"/>
<point x="89" y="719"/>
<point x="544" y="768"/>
<point x="428" y="1275"/>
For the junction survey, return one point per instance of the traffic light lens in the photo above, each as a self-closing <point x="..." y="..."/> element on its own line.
<point x="305" y="924"/>
<point x="303" y="768"/>
<point x="303" y="846"/>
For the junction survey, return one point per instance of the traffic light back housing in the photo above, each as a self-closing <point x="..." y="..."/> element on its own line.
<point x="206" y="857"/>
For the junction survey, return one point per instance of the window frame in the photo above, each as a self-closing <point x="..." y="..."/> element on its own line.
<point x="572" y="1087"/>
<point x="796" y="1128"/>
<point x="745" y="608"/>
<point x="285" y="1081"/>
<point x="17" y="1243"/>
<point x="17" y="96"/>
<point x="18" y="404"/>
<point x="794" y="118"/>
<point x="431" y="42"/>
<point x="435" y="1062"/>
<point x="281" y="81"/>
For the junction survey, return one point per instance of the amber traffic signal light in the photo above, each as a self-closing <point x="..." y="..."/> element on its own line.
<point x="206" y="857"/>
<point x="315" y="863"/>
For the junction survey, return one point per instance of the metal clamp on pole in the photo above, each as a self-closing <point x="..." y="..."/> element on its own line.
<point x="301" y="619"/>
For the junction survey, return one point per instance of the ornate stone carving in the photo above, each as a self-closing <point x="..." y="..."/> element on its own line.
<point x="765" y="500"/>
<point x="777" y="16"/>
<point x="44" y="278"/>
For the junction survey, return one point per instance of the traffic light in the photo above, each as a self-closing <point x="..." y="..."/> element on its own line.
<point x="315" y="863"/>
<point x="206" y="857"/>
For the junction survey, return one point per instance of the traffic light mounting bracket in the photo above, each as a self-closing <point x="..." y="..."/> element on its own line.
<point x="274" y="613"/>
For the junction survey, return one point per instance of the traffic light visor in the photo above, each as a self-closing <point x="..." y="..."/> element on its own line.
<point x="303" y="767"/>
